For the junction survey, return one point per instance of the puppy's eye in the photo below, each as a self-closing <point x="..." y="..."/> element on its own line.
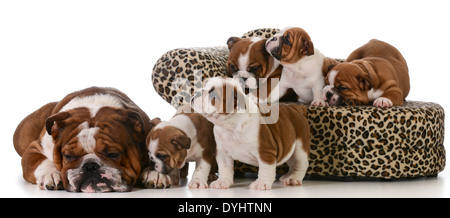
<point x="113" y="155"/>
<point x="342" y="88"/>
<point x="70" y="157"/>
<point x="286" y="40"/>
<point x="162" y="156"/>
<point x="254" y="69"/>
<point x="233" y="68"/>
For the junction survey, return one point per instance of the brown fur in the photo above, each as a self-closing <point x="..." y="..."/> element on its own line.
<point x="130" y="126"/>
<point x="299" y="46"/>
<point x="376" y="65"/>
<point x="174" y="142"/>
<point x="276" y="139"/>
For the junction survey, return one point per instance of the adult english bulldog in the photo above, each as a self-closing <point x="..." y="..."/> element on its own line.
<point x="376" y="73"/>
<point x="241" y="135"/>
<point x="92" y="140"/>
<point x="304" y="67"/>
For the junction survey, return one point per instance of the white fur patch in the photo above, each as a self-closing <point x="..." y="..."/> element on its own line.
<point x="93" y="103"/>
<point x="374" y="94"/>
<point x="332" y="77"/>
<point x="48" y="145"/>
<point x="86" y="137"/>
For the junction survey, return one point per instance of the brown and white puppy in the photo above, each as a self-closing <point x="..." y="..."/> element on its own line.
<point x="240" y="135"/>
<point x="252" y="66"/>
<point x="304" y="67"/>
<point x="376" y="73"/>
<point x="186" y="137"/>
<point x="248" y="60"/>
<point x="92" y="140"/>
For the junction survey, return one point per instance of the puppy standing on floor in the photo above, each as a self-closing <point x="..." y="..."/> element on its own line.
<point x="304" y="66"/>
<point x="186" y="137"/>
<point x="240" y="135"/>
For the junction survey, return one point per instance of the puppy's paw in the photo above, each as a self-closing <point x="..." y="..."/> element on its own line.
<point x="154" y="179"/>
<point x="48" y="177"/>
<point x="291" y="179"/>
<point x="382" y="102"/>
<point x="196" y="183"/>
<point x="221" y="184"/>
<point x="319" y="103"/>
<point x="260" y="185"/>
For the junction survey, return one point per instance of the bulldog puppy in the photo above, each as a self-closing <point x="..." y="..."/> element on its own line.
<point x="252" y="66"/>
<point x="92" y="140"/>
<point x="376" y="73"/>
<point x="304" y="67"/>
<point x="186" y="137"/>
<point x="241" y="136"/>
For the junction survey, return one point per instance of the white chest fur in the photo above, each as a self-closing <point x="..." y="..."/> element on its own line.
<point x="240" y="141"/>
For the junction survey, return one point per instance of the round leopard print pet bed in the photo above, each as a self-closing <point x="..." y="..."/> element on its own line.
<point x="362" y="142"/>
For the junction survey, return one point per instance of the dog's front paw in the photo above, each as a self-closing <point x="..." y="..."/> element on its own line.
<point x="291" y="179"/>
<point x="196" y="183"/>
<point x="154" y="179"/>
<point x="221" y="184"/>
<point x="319" y="103"/>
<point x="260" y="185"/>
<point x="382" y="102"/>
<point x="48" y="177"/>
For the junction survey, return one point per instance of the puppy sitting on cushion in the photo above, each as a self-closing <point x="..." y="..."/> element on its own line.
<point x="186" y="137"/>
<point x="92" y="140"/>
<point x="240" y="135"/>
<point x="375" y="73"/>
<point x="304" y="67"/>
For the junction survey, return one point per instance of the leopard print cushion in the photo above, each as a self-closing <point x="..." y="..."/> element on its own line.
<point x="346" y="142"/>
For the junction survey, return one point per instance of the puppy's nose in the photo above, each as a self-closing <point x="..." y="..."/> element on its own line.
<point x="273" y="39"/>
<point x="91" y="166"/>
<point x="329" y="95"/>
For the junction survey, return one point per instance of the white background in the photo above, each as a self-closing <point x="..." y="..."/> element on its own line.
<point x="51" y="48"/>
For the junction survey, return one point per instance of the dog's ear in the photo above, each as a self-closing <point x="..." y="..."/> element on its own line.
<point x="307" y="46"/>
<point x="364" y="81"/>
<point x="55" y="123"/>
<point x="181" y="141"/>
<point x="231" y="41"/>
<point x="155" y="121"/>
<point x="54" y="126"/>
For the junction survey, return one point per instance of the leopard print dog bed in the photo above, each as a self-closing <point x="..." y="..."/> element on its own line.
<point x="346" y="142"/>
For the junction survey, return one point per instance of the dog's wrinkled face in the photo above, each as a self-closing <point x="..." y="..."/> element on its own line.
<point x="347" y="84"/>
<point x="290" y="45"/>
<point x="248" y="61"/>
<point x="97" y="154"/>
<point x="167" y="147"/>
<point x="219" y="98"/>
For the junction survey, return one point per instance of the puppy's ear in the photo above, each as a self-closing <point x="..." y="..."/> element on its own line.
<point x="181" y="141"/>
<point x="231" y="41"/>
<point x="364" y="81"/>
<point x="155" y="121"/>
<point x="308" y="47"/>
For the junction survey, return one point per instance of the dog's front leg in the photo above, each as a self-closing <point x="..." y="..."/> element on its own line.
<point x="226" y="172"/>
<point x="266" y="177"/>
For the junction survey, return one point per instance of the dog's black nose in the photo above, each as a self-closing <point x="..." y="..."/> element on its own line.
<point x="91" y="166"/>
<point x="274" y="39"/>
<point x="329" y="95"/>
